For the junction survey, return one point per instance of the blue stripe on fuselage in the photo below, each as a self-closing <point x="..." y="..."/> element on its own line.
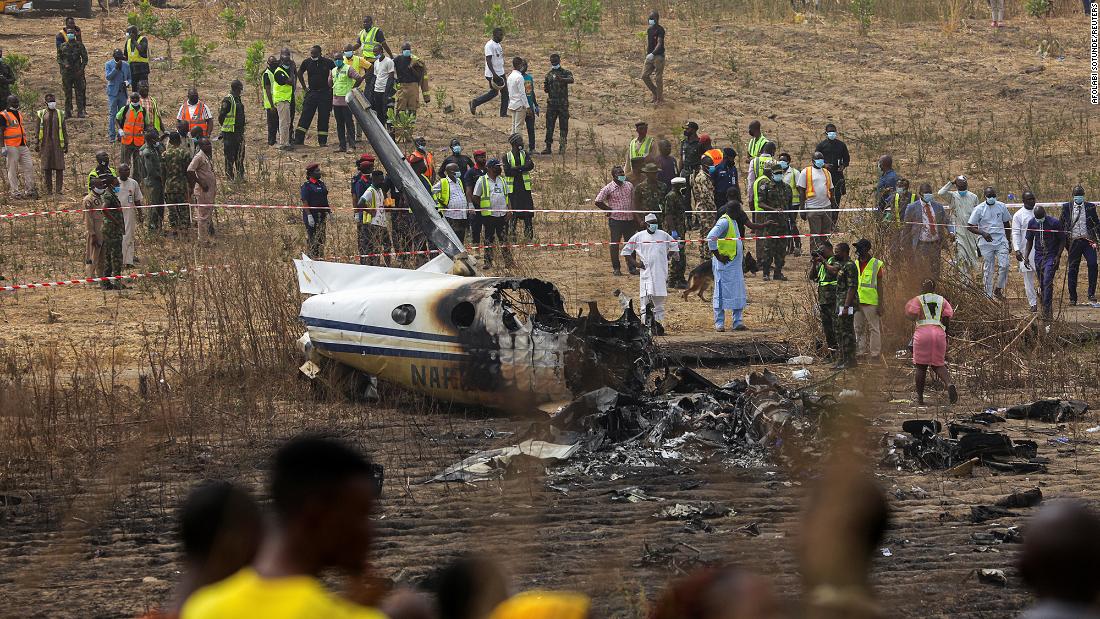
<point x="361" y="328"/>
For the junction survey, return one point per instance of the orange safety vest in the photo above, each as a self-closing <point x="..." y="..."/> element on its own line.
<point x="133" y="127"/>
<point x="810" y="182"/>
<point x="193" y="122"/>
<point x="13" y="129"/>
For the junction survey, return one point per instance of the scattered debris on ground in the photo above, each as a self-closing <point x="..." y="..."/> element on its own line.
<point x="921" y="445"/>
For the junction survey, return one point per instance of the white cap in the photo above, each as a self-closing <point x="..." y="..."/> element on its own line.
<point x="679" y="180"/>
<point x="651" y="218"/>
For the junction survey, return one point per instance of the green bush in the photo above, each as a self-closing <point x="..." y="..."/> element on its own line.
<point x="497" y="17"/>
<point x="582" y="17"/>
<point x="254" y="62"/>
<point x="234" y="24"/>
<point x="1038" y="8"/>
<point x="196" y="57"/>
<point x="19" y="64"/>
<point x="863" y="10"/>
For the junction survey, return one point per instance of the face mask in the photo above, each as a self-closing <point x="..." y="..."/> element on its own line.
<point x="339" y="62"/>
<point x="711" y="169"/>
<point x="1078" y="199"/>
<point x="831" y="135"/>
<point x="1041" y="219"/>
<point x="555" y="66"/>
<point x="927" y="198"/>
<point x="273" y="66"/>
<point x="348" y="54"/>
<point x="406" y="52"/>
<point x="52" y="105"/>
<point x="71" y="36"/>
<point x="135" y="104"/>
<point x="652" y="228"/>
<point x="784" y="165"/>
<point x="962" y="192"/>
<point x="777" y="178"/>
<point x="456" y="149"/>
<point x="621" y="178"/>
<point x="991" y="201"/>
<point x="115" y="189"/>
<point x="652" y="22"/>
<point x="420" y="147"/>
<point x="819" y="163"/>
<point x="97" y="191"/>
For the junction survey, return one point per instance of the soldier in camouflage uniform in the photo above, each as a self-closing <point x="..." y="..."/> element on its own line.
<point x="847" y="303"/>
<point x="114" y="227"/>
<point x="152" y="185"/>
<point x="674" y="221"/>
<point x="176" y="190"/>
<point x="72" y="57"/>
<point x="556" y="84"/>
<point x="775" y="197"/>
<point x="649" y="192"/>
<point x="823" y="272"/>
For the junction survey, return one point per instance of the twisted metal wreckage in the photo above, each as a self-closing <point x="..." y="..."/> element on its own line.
<point x="508" y="343"/>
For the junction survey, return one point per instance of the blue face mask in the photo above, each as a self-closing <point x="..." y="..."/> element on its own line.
<point x="991" y="201"/>
<point x="711" y="169"/>
<point x="555" y="67"/>
<point x="652" y="22"/>
<point x="115" y="189"/>
<point x="652" y="228"/>
<point x="777" y="178"/>
<point x="456" y="149"/>
<point x="831" y="135"/>
<point x="819" y="163"/>
<point x="339" y="62"/>
<point x="927" y="198"/>
<point x="406" y="52"/>
<point x="622" y="178"/>
<point x="784" y="165"/>
<point x="348" y="54"/>
<point x="1078" y="199"/>
<point x="962" y="192"/>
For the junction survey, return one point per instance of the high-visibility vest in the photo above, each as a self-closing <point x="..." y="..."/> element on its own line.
<point x="366" y="41"/>
<point x="756" y="144"/>
<point x="429" y="166"/>
<point x="486" y="190"/>
<point x="823" y="274"/>
<point x="761" y="162"/>
<point x="931" y="307"/>
<point x="508" y="180"/>
<point x="810" y="182"/>
<point x="367" y="212"/>
<point x="94" y="174"/>
<point x="727" y="245"/>
<point x="341" y="82"/>
<point x="756" y="192"/>
<point x="153" y="109"/>
<point x="133" y="126"/>
<point x="60" y="125"/>
<point x="13" y="129"/>
<point x="279" y="92"/>
<point x="898" y="205"/>
<point x="640" y="150"/>
<point x="868" y="281"/>
<point x="194" y="121"/>
<point x="133" y="51"/>
<point x="792" y="182"/>
<point x="443" y="197"/>
<point x="229" y="125"/>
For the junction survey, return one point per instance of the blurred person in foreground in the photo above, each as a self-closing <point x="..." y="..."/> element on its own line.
<point x="322" y="494"/>
<point x="220" y="526"/>
<point x="1060" y="562"/>
<point x="718" y="593"/>
<point x="932" y="314"/>
<point x="543" y="605"/>
<point x="469" y="587"/>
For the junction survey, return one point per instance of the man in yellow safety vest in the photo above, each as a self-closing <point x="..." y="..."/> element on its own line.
<point x="756" y="140"/>
<point x="231" y="119"/>
<point x="867" y="321"/>
<point x="136" y="49"/>
<point x="277" y="90"/>
<point x="641" y="146"/>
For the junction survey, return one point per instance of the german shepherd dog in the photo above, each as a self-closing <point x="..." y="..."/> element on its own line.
<point x="701" y="277"/>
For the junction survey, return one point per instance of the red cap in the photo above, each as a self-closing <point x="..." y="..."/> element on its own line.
<point x="480" y="151"/>
<point x="313" y="166"/>
<point x="704" y="138"/>
<point x="366" y="157"/>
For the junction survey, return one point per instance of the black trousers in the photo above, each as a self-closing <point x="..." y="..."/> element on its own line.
<point x="139" y="72"/>
<point x="475" y="227"/>
<point x="559" y="117"/>
<point x="828" y="319"/>
<point x="529" y="120"/>
<point x="233" y="149"/>
<point x="317" y="102"/>
<point x="485" y="98"/>
<point x="621" y="230"/>
<point x="272" y="125"/>
<point x="345" y="126"/>
<point x="380" y="102"/>
<point x="315" y="234"/>
<point x="496" y="231"/>
<point x="459" y="226"/>
<point x="1080" y="248"/>
<point x="528" y="220"/>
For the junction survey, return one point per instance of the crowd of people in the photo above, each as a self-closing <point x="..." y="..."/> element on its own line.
<point x="239" y="559"/>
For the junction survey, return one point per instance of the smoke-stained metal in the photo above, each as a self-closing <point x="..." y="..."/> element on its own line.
<point x="424" y="209"/>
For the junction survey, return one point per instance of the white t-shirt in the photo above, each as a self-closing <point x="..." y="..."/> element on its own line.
<point x="383" y="68"/>
<point x="496" y="52"/>
<point x="498" y="194"/>
<point x="517" y="94"/>
<point x="820" y="199"/>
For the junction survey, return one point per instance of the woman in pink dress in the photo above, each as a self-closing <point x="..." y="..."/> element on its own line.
<point x="931" y="312"/>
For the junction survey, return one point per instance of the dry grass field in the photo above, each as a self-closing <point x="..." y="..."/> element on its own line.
<point x="112" y="404"/>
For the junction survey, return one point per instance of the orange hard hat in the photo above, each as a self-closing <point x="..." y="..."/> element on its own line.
<point x="715" y="155"/>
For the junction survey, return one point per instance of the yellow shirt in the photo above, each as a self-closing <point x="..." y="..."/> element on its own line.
<point x="245" y="594"/>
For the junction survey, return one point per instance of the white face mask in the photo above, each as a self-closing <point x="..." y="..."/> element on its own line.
<point x="52" y="105"/>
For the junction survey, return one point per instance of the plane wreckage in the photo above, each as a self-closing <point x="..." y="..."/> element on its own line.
<point x="444" y="331"/>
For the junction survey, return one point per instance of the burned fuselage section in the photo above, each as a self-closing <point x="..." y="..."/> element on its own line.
<point x="501" y="342"/>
